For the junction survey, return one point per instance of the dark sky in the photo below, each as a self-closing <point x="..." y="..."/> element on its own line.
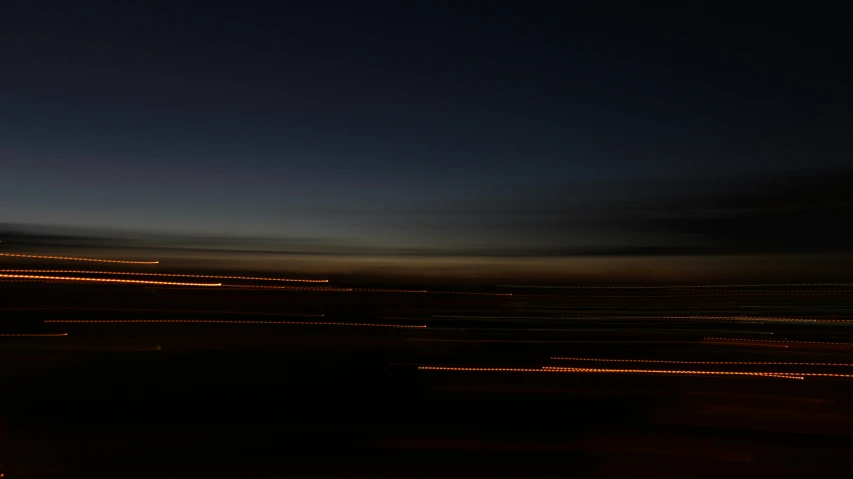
<point x="382" y="123"/>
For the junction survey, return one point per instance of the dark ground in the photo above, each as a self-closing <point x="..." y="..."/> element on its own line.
<point x="253" y="400"/>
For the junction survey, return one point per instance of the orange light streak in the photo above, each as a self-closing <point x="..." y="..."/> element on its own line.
<point x="177" y="275"/>
<point x="232" y="287"/>
<point x="73" y="258"/>
<point x="379" y="290"/>
<point x="34" y="335"/>
<point x="779" y="341"/>
<point x="422" y="291"/>
<point x="195" y="311"/>
<point x="471" y="293"/>
<point x="772" y="373"/>
<point x="681" y="372"/>
<point x="215" y="321"/>
<point x="592" y="318"/>
<point x="751" y="363"/>
<point x="686" y="295"/>
<point x="285" y="288"/>
<point x="765" y="285"/>
<point x="618" y="371"/>
<point x="101" y="280"/>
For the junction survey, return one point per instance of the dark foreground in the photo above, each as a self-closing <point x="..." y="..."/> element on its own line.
<point x="249" y="399"/>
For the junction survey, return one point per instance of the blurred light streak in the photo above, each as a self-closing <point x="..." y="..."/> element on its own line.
<point x="792" y="320"/>
<point x="247" y="287"/>
<point x="375" y="290"/>
<point x="34" y="335"/>
<point x="681" y="372"/>
<point x="743" y="363"/>
<point x="632" y="331"/>
<point x="564" y="306"/>
<point x="720" y="294"/>
<point x="470" y="293"/>
<point x="561" y="341"/>
<point x="283" y="288"/>
<point x="750" y="342"/>
<point x="780" y="341"/>
<point x="601" y="318"/>
<point x="803" y="308"/>
<point x="617" y="371"/>
<point x="177" y="275"/>
<point x="215" y="321"/>
<point x="198" y="311"/>
<point x="72" y="258"/>
<point x="766" y="285"/>
<point x="101" y="280"/>
<point x="508" y="319"/>
<point x="797" y="375"/>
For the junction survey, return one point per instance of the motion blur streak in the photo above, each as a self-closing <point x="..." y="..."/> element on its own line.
<point x="778" y="341"/>
<point x="680" y="372"/>
<point x="470" y="293"/>
<point x="286" y="288"/>
<point x="716" y="294"/>
<point x="309" y="323"/>
<point x="604" y="318"/>
<point x="34" y="335"/>
<point x="616" y="371"/>
<point x="247" y="278"/>
<point x="375" y="290"/>
<point x="102" y="280"/>
<point x="563" y="341"/>
<point x="199" y="311"/>
<point x="747" y="342"/>
<point x="510" y="319"/>
<point x="233" y="287"/>
<point x="72" y="258"/>
<point x="753" y="363"/>
<point x="783" y="374"/>
<point x="767" y="285"/>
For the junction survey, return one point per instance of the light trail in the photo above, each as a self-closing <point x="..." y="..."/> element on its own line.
<point x="720" y="294"/>
<point x="752" y="342"/>
<point x="590" y="318"/>
<point x="740" y="319"/>
<point x="619" y="371"/>
<point x="192" y="311"/>
<point x="783" y="374"/>
<point x="765" y="285"/>
<point x="380" y="290"/>
<point x="213" y="321"/>
<point x="425" y="291"/>
<point x="33" y="335"/>
<point x="73" y="258"/>
<point x="247" y="287"/>
<point x="569" y="306"/>
<point x="565" y="341"/>
<point x="470" y="293"/>
<point x="102" y="280"/>
<point x="285" y="288"/>
<point x="789" y="320"/>
<point x="484" y="319"/>
<point x="804" y="308"/>
<point x="237" y="287"/>
<point x="177" y="275"/>
<point x="740" y="363"/>
<point x="779" y="341"/>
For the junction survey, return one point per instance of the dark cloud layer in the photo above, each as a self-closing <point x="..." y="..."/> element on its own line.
<point x="795" y="212"/>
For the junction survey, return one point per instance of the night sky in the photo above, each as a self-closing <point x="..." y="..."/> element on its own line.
<point x="546" y="127"/>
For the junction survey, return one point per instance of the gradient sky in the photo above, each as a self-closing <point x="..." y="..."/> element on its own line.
<point x="373" y="122"/>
